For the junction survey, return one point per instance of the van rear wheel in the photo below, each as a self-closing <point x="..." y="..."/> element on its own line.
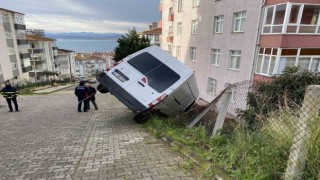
<point x="142" y="117"/>
<point x="102" y="89"/>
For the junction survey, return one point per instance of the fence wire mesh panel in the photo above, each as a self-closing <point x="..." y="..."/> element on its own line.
<point x="273" y="127"/>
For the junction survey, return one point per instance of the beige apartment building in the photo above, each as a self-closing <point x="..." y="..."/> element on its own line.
<point x="43" y="52"/>
<point x="14" y="48"/>
<point x="217" y="39"/>
<point x="227" y="42"/>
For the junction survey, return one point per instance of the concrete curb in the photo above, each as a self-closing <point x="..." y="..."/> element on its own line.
<point x="220" y="173"/>
<point x="48" y="92"/>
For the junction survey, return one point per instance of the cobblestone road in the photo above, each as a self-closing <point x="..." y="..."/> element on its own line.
<point x="49" y="139"/>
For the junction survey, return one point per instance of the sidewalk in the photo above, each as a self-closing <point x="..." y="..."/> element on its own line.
<point x="53" y="89"/>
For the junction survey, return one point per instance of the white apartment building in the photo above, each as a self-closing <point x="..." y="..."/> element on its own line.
<point x="88" y="65"/>
<point x="217" y="39"/>
<point x="66" y="65"/>
<point x="42" y="51"/>
<point x="14" y="49"/>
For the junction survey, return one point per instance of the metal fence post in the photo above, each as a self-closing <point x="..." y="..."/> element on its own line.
<point x="206" y="110"/>
<point x="222" y="112"/>
<point x="310" y="109"/>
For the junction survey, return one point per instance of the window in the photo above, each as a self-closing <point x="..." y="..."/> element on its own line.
<point x="21" y="35"/>
<point x="180" y="5"/>
<point x="11" y="51"/>
<point x="292" y="18"/>
<point x="218" y="24"/>
<point x="304" y="59"/>
<point x="233" y="91"/>
<point x="266" y="61"/>
<point x="170" y="48"/>
<point x="160" y="77"/>
<point x="215" y="56"/>
<point x="170" y="11"/>
<point x="274" y="19"/>
<point x="14" y="65"/>
<point x="212" y="86"/>
<point x="194" y="26"/>
<point x="8" y="35"/>
<point x="18" y="19"/>
<point x="234" y="62"/>
<point x="178" y="51"/>
<point x="170" y="31"/>
<point x="179" y="28"/>
<point x="195" y="3"/>
<point x="5" y="18"/>
<point x="239" y="21"/>
<point x="193" y="52"/>
<point x="310" y="19"/>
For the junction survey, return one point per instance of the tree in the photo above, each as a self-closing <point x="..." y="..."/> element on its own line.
<point x="129" y="44"/>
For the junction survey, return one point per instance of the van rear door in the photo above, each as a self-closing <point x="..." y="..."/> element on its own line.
<point x="154" y="78"/>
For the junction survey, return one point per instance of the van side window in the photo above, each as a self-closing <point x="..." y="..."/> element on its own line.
<point x="160" y="77"/>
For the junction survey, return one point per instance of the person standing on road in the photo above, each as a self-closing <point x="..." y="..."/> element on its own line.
<point x="92" y="93"/>
<point x="10" y="93"/>
<point x="82" y="93"/>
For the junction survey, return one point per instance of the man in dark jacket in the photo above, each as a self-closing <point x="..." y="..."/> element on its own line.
<point x="10" y="93"/>
<point x="92" y="98"/>
<point x="82" y="93"/>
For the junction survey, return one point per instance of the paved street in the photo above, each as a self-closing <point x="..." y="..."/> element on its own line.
<point x="49" y="139"/>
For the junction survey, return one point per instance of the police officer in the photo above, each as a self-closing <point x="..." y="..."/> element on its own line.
<point x="10" y="93"/>
<point x="82" y="93"/>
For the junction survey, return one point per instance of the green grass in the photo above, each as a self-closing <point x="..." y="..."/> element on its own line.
<point x="246" y="154"/>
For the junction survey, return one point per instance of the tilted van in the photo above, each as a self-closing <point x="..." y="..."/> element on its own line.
<point x="151" y="80"/>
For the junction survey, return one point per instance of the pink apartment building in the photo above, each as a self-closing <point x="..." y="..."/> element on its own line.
<point x="231" y="41"/>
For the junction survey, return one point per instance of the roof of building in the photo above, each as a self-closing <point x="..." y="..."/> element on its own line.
<point x="11" y="11"/>
<point x="153" y="31"/>
<point x="38" y="38"/>
<point x="84" y="57"/>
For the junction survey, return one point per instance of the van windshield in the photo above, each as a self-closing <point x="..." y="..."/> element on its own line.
<point x="160" y="77"/>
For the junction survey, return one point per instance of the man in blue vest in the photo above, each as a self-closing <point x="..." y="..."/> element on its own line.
<point x="10" y="93"/>
<point x="82" y="93"/>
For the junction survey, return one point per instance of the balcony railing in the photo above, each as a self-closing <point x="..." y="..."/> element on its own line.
<point x="171" y="17"/>
<point x="36" y="50"/>
<point x="19" y="27"/>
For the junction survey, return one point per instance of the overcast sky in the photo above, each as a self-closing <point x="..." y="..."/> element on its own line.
<point x="101" y="16"/>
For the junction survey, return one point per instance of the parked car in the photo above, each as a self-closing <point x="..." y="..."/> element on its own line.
<point x="92" y="81"/>
<point x="151" y="80"/>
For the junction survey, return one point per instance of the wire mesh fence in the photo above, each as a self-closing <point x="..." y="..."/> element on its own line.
<point x="279" y="121"/>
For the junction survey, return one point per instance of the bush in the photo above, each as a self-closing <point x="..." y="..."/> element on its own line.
<point x="286" y="90"/>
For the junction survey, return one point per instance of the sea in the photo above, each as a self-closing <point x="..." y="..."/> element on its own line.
<point x="87" y="46"/>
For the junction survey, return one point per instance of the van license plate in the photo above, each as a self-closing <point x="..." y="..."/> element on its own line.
<point x="118" y="74"/>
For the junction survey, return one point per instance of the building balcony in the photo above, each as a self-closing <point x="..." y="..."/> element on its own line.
<point x="36" y="50"/>
<point x="19" y="27"/>
<point x="171" y="17"/>
<point x="170" y="39"/>
<point x="22" y="41"/>
<point x="24" y="55"/>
